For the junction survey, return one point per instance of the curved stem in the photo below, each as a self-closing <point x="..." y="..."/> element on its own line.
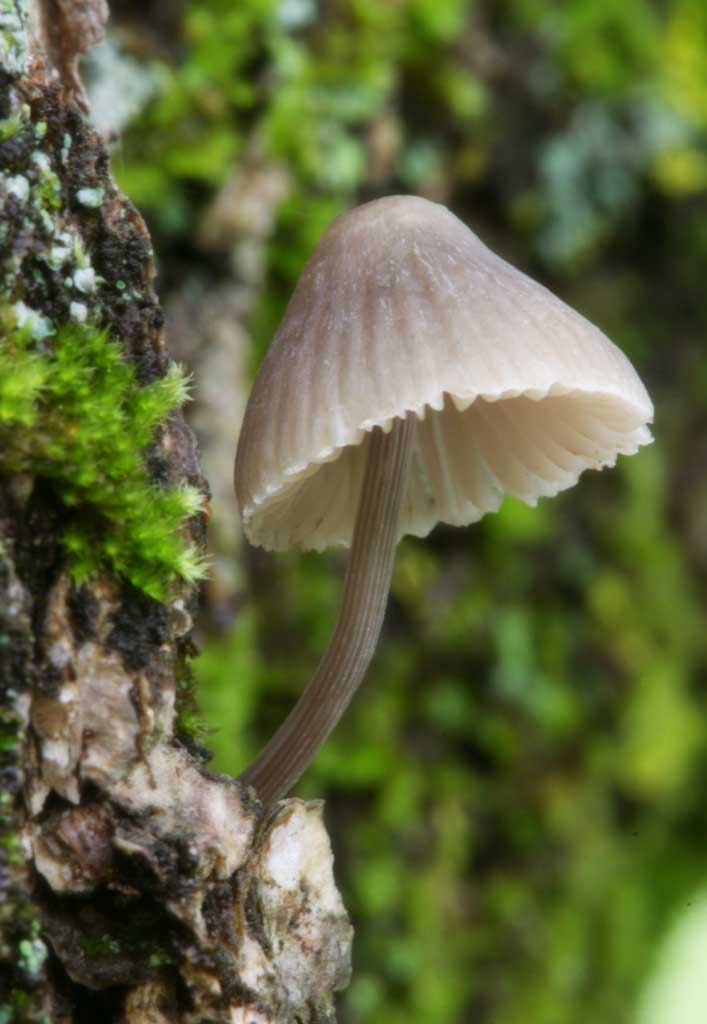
<point x="280" y="764"/>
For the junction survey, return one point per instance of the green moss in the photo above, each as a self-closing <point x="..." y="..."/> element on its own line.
<point x="127" y="942"/>
<point x="85" y="425"/>
<point x="22" y="375"/>
<point x="9" y="126"/>
<point x="10" y="726"/>
<point x="100" y="946"/>
<point x="191" y="727"/>
<point x="48" y="189"/>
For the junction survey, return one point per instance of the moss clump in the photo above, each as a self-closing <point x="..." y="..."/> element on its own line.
<point x="73" y="413"/>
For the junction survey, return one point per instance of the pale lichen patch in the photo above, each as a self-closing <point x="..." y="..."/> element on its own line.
<point x="304" y="919"/>
<point x="13" y="40"/>
<point x="205" y="814"/>
<point x="254" y="966"/>
<point x="39" y="326"/>
<point x="90" y="197"/>
<point x="84" y="280"/>
<point x="78" y="312"/>
<point x="18" y="186"/>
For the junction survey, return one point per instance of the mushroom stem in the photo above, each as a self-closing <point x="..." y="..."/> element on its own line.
<point x="280" y="764"/>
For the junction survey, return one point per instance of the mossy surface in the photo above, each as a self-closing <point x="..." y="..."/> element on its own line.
<point x="86" y="386"/>
<point x="72" y="412"/>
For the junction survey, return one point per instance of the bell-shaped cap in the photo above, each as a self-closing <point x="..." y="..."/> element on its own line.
<point x="403" y="311"/>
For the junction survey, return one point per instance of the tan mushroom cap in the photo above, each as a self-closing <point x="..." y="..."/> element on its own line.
<point x="402" y="310"/>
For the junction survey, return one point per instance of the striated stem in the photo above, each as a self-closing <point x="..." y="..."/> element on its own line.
<point x="280" y="764"/>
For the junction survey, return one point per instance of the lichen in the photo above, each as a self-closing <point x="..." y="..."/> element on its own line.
<point x="90" y="197"/>
<point x="86" y="424"/>
<point x="13" y="51"/>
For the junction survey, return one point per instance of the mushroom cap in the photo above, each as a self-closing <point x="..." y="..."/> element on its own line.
<point x="401" y="310"/>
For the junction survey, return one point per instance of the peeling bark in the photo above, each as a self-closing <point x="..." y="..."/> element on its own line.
<point x="134" y="884"/>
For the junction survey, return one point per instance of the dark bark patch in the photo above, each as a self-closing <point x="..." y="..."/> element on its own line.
<point x="219" y="914"/>
<point x="37" y="550"/>
<point x="79" y="839"/>
<point x="140" y="627"/>
<point x="83" y="608"/>
<point x="105" y="945"/>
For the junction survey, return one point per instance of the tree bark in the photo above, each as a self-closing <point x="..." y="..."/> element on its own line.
<point x="134" y="884"/>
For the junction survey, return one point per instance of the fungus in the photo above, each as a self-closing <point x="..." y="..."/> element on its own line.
<point x="416" y="378"/>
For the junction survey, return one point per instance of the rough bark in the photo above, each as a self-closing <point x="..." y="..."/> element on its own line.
<point x="134" y="883"/>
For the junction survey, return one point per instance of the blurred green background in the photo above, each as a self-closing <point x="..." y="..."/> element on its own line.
<point x="517" y="798"/>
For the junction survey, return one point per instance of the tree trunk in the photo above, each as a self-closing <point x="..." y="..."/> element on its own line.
<point x="134" y="884"/>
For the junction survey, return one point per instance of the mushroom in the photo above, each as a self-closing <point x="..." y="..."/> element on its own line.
<point x="416" y="378"/>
